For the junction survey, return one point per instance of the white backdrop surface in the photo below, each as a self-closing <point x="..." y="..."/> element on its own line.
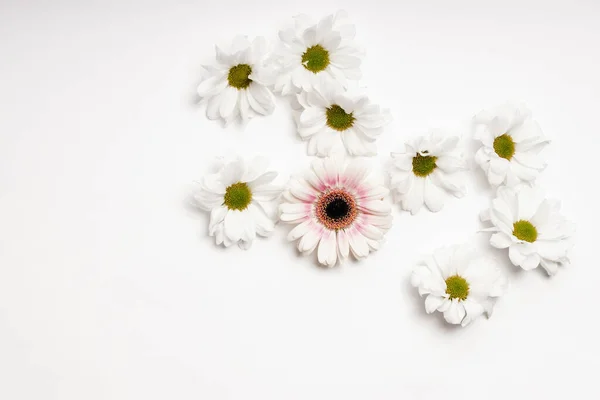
<point x="110" y="288"/>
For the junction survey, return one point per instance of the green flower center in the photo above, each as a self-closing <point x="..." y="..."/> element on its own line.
<point x="423" y="165"/>
<point x="237" y="196"/>
<point x="238" y="76"/>
<point x="504" y="146"/>
<point x="457" y="287"/>
<point x="524" y="230"/>
<point x="315" y="58"/>
<point x="338" y="119"/>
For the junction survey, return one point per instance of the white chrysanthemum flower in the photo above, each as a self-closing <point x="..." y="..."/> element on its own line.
<point x="459" y="283"/>
<point x="530" y="226"/>
<point x="241" y="199"/>
<point x="512" y="141"/>
<point x="311" y="54"/>
<point x="428" y="169"/>
<point x="332" y="118"/>
<point x="337" y="210"/>
<point x="237" y="86"/>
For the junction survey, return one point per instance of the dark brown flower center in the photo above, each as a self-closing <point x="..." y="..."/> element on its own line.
<point x="336" y="209"/>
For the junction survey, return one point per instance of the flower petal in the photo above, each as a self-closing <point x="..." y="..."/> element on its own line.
<point x="327" y="253"/>
<point x="455" y="313"/>
<point x="433" y="195"/>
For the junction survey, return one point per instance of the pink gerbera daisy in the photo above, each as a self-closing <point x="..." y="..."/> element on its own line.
<point x="337" y="210"/>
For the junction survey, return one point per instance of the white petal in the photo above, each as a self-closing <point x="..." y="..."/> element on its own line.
<point x="302" y="191"/>
<point x="295" y="208"/>
<point x="452" y="183"/>
<point x="550" y="267"/>
<point x="355" y="173"/>
<point x="343" y="244"/>
<point x="432" y="302"/>
<point x="495" y="178"/>
<point x="211" y="85"/>
<point x="345" y="61"/>
<point x="449" y="163"/>
<point x="217" y="216"/>
<point x="433" y="195"/>
<point x="263" y="179"/>
<point x="473" y="310"/>
<point x="312" y="116"/>
<point x="260" y="99"/>
<point x="375" y="193"/>
<point x="499" y="165"/>
<point x="309" y="241"/>
<point x="455" y="313"/>
<point x="233" y="172"/>
<point x="358" y="244"/>
<point x="245" y="111"/>
<point x="207" y="200"/>
<point x="530" y="160"/>
<point x="264" y="224"/>
<point x="413" y="200"/>
<point x="370" y="232"/>
<point x="551" y="249"/>
<point x="307" y="130"/>
<point x="528" y="201"/>
<point x="293" y="217"/>
<point x="516" y="255"/>
<point x="443" y="257"/>
<point x="485" y="215"/>
<point x="530" y="262"/>
<point x="266" y="193"/>
<point x="234" y="225"/>
<point x="212" y="108"/>
<point x="354" y="145"/>
<point x="375" y="207"/>
<point x="228" y="102"/>
<point x="500" y="240"/>
<point x="523" y="173"/>
<point x="327" y="253"/>
<point x="525" y="130"/>
<point x="300" y="230"/>
<point x="255" y="168"/>
<point x="403" y="161"/>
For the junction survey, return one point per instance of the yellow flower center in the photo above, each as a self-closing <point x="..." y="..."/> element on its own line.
<point x="338" y="119"/>
<point x="457" y="287"/>
<point x="524" y="230"/>
<point x="238" y="76"/>
<point x="504" y="146"/>
<point x="423" y="165"/>
<point x="315" y="58"/>
<point x="237" y="196"/>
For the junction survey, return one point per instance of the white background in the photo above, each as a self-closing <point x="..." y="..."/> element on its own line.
<point x="111" y="289"/>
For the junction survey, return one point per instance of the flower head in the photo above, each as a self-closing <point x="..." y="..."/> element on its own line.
<point x="331" y="118"/>
<point x="236" y="87"/>
<point x="460" y="283"/>
<point x="428" y="170"/>
<point x="530" y="226"/>
<point x="239" y="196"/>
<point x="511" y="143"/>
<point x="336" y="210"/>
<point x="315" y="53"/>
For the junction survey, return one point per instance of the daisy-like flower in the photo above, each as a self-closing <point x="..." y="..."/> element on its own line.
<point x="531" y="227"/>
<point x="332" y="118"/>
<point x="511" y="143"/>
<point x="241" y="199"/>
<point x="428" y="170"/>
<point x="310" y="54"/>
<point x="237" y="85"/>
<point x="337" y="210"/>
<point x="459" y="283"/>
